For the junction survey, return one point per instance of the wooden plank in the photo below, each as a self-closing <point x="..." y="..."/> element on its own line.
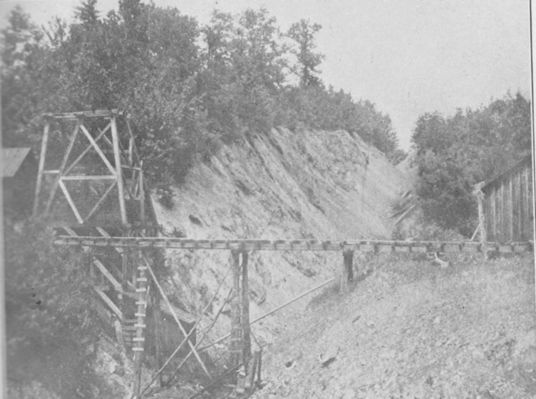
<point x="482" y="222"/>
<point x="515" y="206"/>
<point x="505" y="212"/>
<point x="504" y="248"/>
<point x="99" y="113"/>
<point x="493" y="220"/>
<point x="347" y="272"/>
<point x="62" y="168"/>
<point x="530" y="204"/>
<point x="244" y="317"/>
<point x="523" y="214"/>
<point x="511" y="207"/>
<point x="119" y="172"/>
<point x="419" y="248"/>
<point x="88" y="177"/>
<point x="107" y="274"/>
<point x="235" y="348"/>
<point x="502" y="213"/>
<point x="181" y="243"/>
<point x="109" y="302"/>
<point x="498" y="209"/>
<point x="41" y="167"/>
<point x="142" y="196"/>
<point x="471" y="247"/>
<point x="70" y="202"/>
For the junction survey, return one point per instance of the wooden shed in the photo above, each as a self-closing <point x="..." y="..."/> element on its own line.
<point x="508" y="204"/>
<point x="19" y="172"/>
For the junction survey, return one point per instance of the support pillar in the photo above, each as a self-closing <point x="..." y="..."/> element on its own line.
<point x="235" y="349"/>
<point x="347" y="273"/>
<point x="240" y="346"/>
<point x="481" y="219"/>
<point x="244" y="296"/>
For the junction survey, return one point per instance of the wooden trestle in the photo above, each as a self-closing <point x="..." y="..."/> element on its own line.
<point x="379" y="246"/>
<point x="241" y="359"/>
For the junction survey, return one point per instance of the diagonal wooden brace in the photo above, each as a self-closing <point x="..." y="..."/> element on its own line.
<point x="181" y="327"/>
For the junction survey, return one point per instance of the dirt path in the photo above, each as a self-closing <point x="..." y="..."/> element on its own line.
<point x="413" y="330"/>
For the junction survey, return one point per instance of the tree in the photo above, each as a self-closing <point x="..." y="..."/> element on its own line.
<point x="454" y="153"/>
<point x="87" y="12"/>
<point x="303" y="34"/>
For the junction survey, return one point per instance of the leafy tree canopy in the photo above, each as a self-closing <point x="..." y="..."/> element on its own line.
<point x="454" y="153"/>
<point x="188" y="88"/>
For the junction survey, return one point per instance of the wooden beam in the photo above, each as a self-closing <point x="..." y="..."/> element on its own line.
<point x="481" y="218"/>
<point x="70" y="202"/>
<point x="116" y="284"/>
<point x="142" y="196"/>
<point x="97" y="149"/>
<point x="41" y="168"/>
<point x="118" y="172"/>
<point x="87" y="177"/>
<point x="235" y="346"/>
<point x="100" y="201"/>
<point x="62" y="168"/>
<point x="265" y="245"/>
<point x="100" y="113"/>
<point x="108" y="302"/>
<point x="173" y="313"/>
<point x="347" y="270"/>
<point x="244" y="305"/>
<point x="86" y="150"/>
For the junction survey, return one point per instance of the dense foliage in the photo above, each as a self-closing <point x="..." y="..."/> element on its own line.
<point x="188" y="88"/>
<point x="454" y="153"/>
<point x="46" y="292"/>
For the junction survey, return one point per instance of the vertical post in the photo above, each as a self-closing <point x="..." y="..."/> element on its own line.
<point x="62" y="167"/>
<point x="246" y="329"/>
<point x="511" y="206"/>
<point x="481" y="219"/>
<point x="347" y="271"/>
<point x="41" y="169"/>
<point x="118" y="171"/>
<point x="236" y="330"/>
<point x="157" y="318"/>
<point x="142" y="195"/>
<point x="124" y="281"/>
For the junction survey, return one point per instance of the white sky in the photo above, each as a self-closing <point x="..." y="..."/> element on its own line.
<point x="408" y="57"/>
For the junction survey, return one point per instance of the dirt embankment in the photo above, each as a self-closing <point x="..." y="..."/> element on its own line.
<point x="413" y="330"/>
<point x="286" y="185"/>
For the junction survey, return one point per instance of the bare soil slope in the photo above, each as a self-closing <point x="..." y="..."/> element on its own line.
<point x="412" y="330"/>
<point x="285" y="185"/>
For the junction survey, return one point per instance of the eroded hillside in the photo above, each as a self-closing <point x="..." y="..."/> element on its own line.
<point x="286" y="185"/>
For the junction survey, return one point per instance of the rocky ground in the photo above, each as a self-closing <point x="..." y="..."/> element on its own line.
<point x="414" y="330"/>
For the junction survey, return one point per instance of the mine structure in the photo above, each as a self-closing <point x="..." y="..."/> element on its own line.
<point x="90" y="187"/>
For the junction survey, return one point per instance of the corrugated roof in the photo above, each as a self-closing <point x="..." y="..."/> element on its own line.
<point x="12" y="159"/>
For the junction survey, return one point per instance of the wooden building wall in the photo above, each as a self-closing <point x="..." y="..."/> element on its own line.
<point x="508" y="204"/>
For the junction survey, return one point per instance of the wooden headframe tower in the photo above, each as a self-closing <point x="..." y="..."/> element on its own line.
<point x="85" y="159"/>
<point x="90" y="183"/>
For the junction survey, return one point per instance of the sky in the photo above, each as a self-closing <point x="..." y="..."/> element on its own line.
<point x="408" y="57"/>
